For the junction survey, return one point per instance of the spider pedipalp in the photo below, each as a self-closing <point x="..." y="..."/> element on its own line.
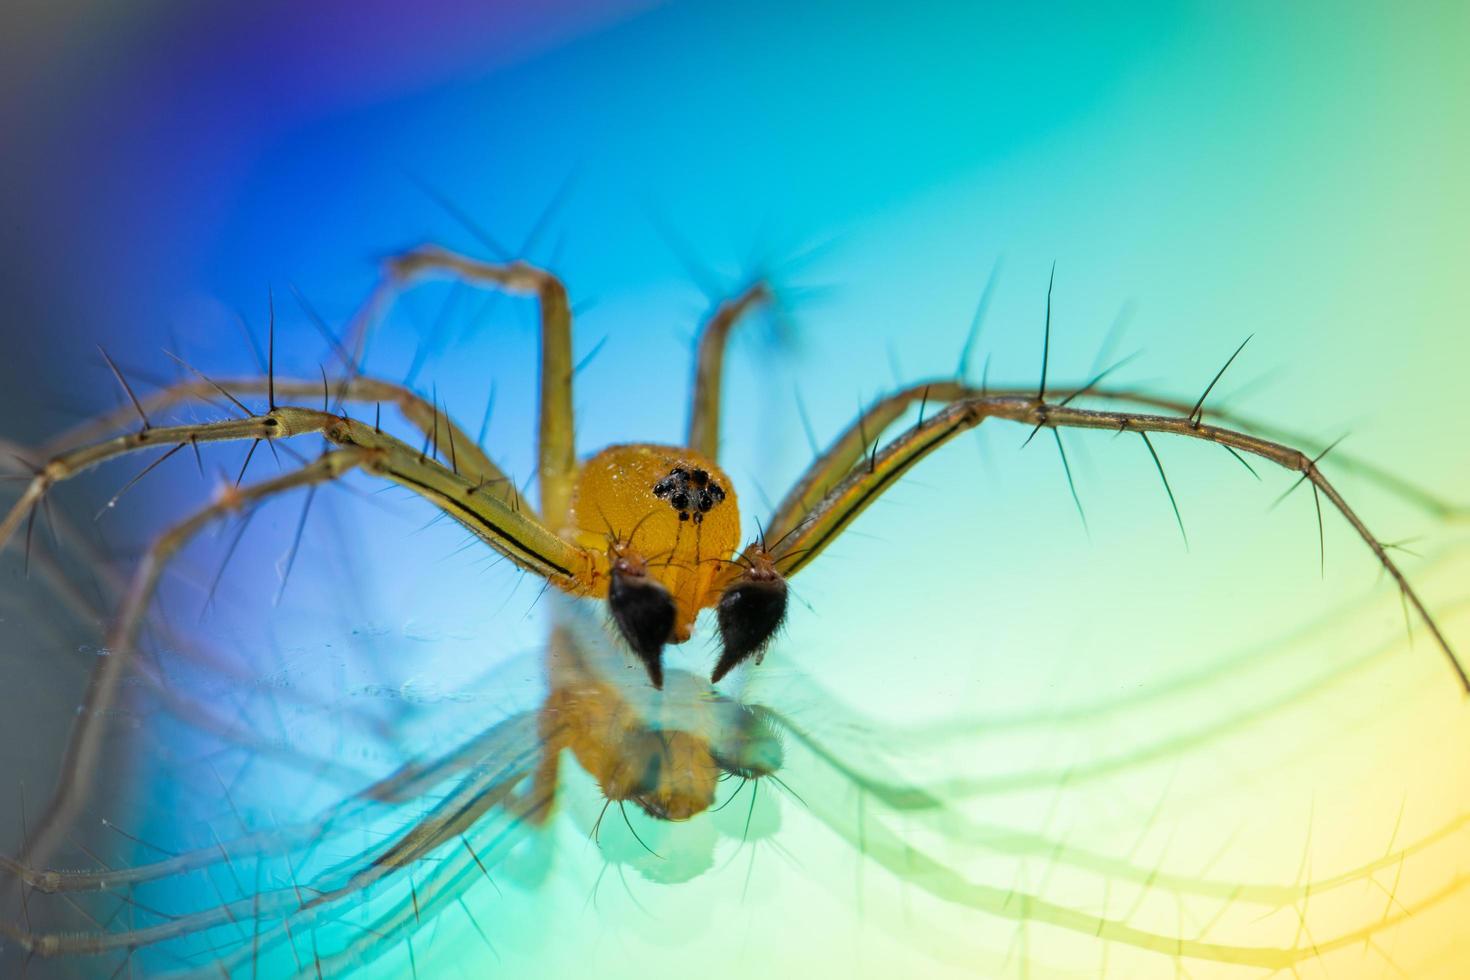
<point x="644" y="613"/>
<point x="749" y="613"/>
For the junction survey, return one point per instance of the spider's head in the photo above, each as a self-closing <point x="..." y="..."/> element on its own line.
<point x="750" y="611"/>
<point x="665" y="520"/>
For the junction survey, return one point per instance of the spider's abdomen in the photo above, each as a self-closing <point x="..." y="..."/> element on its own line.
<point x="667" y="506"/>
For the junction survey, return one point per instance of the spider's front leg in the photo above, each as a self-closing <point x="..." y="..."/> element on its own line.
<point x="853" y="446"/>
<point x="431" y="419"/>
<point x="805" y="536"/>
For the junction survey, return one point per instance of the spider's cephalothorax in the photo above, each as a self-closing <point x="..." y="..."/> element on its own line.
<point x="662" y="524"/>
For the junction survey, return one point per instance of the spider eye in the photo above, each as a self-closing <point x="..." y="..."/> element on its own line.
<point x="644" y="613"/>
<point x="749" y="613"/>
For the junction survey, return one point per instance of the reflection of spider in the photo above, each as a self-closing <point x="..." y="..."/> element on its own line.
<point x="655" y="530"/>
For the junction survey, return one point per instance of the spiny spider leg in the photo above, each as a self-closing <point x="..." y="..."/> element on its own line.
<point x="851" y="446"/>
<point x="470" y="459"/>
<point x="556" y="450"/>
<point x="709" y="364"/>
<point x="808" y="536"/>
<point x="519" y="536"/>
<point x="858" y="439"/>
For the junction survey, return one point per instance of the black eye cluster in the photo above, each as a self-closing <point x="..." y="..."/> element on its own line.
<point x="691" y="492"/>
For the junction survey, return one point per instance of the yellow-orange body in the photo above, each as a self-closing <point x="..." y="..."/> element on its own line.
<point x="626" y="505"/>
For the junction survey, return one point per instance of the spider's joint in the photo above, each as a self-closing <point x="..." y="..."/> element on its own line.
<point x="340" y="432"/>
<point x="759" y="563"/>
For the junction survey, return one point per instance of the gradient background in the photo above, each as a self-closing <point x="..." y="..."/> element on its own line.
<point x="1296" y="173"/>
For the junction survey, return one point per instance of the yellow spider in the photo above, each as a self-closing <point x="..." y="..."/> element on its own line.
<point x="652" y="529"/>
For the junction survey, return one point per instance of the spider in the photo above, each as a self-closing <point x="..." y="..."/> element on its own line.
<point x="654" y="531"/>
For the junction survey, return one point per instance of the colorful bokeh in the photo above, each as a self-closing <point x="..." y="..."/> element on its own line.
<point x="1107" y="750"/>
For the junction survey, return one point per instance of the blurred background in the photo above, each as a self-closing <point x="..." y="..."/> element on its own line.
<point x="1233" y="743"/>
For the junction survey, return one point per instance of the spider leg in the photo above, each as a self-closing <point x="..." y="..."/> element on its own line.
<point x="470" y="460"/>
<point x="823" y="522"/>
<point x="556" y="448"/>
<point x="850" y="447"/>
<point x="704" y="414"/>
<point x="83" y="756"/>
<point x="96" y="607"/>
<point x="501" y="524"/>
<point x="855" y="442"/>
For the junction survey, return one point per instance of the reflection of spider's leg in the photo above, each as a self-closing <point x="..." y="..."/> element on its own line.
<point x="451" y="441"/>
<point x="503" y="745"/>
<point x="556" y="465"/>
<point x="416" y="778"/>
<point x="467" y="803"/>
<point x="514" y="534"/>
<point x="875" y="839"/>
<point x="447" y="879"/>
<point x="704" y="414"/>
<point x="96" y="607"/>
<point x="83" y="753"/>
<point x="854" y="443"/>
<point x="834" y="512"/>
<point x="936" y="808"/>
